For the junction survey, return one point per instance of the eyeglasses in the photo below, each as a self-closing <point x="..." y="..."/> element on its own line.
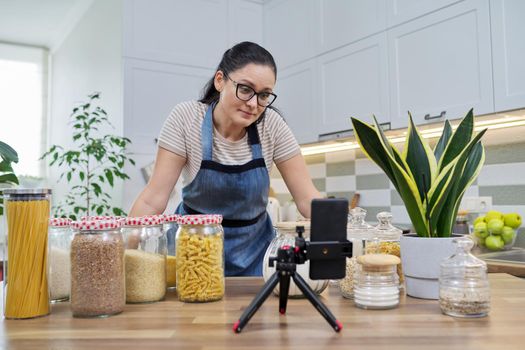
<point x="245" y="93"/>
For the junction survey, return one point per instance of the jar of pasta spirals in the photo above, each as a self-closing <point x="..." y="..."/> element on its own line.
<point x="26" y="293"/>
<point x="200" y="258"/>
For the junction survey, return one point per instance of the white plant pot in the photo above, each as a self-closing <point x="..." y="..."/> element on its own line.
<point x="421" y="258"/>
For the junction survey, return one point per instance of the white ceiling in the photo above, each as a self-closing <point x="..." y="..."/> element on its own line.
<point x="42" y="23"/>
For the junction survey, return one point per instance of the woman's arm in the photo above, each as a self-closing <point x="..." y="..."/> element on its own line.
<point x="298" y="181"/>
<point x="154" y="198"/>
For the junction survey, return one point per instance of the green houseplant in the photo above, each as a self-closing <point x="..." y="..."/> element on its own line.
<point x="431" y="184"/>
<point x="7" y="176"/>
<point x="92" y="165"/>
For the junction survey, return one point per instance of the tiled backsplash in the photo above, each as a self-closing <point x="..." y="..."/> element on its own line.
<point x="343" y="173"/>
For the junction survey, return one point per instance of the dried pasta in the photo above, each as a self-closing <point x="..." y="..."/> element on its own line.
<point x="200" y="267"/>
<point x="27" y="287"/>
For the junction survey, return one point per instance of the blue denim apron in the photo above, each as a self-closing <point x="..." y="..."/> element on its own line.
<point x="240" y="194"/>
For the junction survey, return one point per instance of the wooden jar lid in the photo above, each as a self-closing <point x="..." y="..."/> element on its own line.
<point x="378" y="260"/>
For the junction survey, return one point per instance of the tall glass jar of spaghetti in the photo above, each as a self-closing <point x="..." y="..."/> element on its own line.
<point x="26" y="293"/>
<point x="200" y="258"/>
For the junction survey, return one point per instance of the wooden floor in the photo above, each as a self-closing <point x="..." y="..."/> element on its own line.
<point x="416" y="324"/>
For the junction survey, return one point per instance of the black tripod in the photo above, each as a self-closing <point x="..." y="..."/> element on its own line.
<point x="287" y="259"/>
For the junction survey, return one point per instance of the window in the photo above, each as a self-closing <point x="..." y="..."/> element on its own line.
<point x="23" y="94"/>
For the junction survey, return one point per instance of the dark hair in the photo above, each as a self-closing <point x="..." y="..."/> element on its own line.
<point x="236" y="58"/>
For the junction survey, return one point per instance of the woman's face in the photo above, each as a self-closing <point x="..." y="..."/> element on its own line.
<point x="260" y="78"/>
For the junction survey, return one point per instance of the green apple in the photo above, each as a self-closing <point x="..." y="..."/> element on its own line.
<point x="495" y="226"/>
<point x="479" y="219"/>
<point x="494" y="242"/>
<point x="493" y="214"/>
<point x="512" y="220"/>
<point x="508" y="234"/>
<point x="480" y="241"/>
<point x="480" y="229"/>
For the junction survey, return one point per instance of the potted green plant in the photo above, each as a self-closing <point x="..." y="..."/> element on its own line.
<point x="7" y="176"/>
<point x="431" y="184"/>
<point x="92" y="165"/>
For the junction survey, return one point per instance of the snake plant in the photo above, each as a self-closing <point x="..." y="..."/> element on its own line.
<point x="431" y="183"/>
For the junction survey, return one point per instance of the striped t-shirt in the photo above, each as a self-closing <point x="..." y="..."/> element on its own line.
<point x="181" y="134"/>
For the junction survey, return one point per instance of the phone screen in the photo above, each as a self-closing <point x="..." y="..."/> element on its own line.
<point x="329" y="220"/>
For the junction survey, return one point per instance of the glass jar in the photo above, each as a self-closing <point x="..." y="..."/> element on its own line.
<point x="463" y="284"/>
<point x="145" y="258"/>
<point x="386" y="240"/>
<point x="358" y="232"/>
<point x="26" y="293"/>
<point x="59" y="259"/>
<point x="286" y="233"/>
<point x="200" y="258"/>
<point x="170" y="228"/>
<point x="376" y="283"/>
<point x="98" y="286"/>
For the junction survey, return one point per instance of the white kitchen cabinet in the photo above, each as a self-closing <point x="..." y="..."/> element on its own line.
<point x="245" y="22"/>
<point x="183" y="32"/>
<point x="290" y="29"/>
<point x="345" y="21"/>
<point x="441" y="62"/>
<point x="508" y="51"/>
<point x="297" y="99"/>
<point x="354" y="83"/>
<point x="400" y="11"/>
<point x="151" y="90"/>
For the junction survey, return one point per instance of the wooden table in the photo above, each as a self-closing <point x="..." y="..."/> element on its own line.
<point x="416" y="324"/>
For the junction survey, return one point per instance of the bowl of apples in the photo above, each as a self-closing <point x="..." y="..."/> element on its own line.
<point x="496" y="231"/>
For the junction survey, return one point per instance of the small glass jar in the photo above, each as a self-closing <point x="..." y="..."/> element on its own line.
<point x="463" y="284"/>
<point x="358" y="232"/>
<point x="170" y="228"/>
<point x="26" y="293"/>
<point x="200" y="258"/>
<point x="386" y="240"/>
<point x="376" y="283"/>
<point x="286" y="234"/>
<point x="98" y="286"/>
<point x="145" y="257"/>
<point x="59" y="259"/>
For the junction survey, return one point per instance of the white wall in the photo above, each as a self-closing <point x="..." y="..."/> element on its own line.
<point x="88" y="60"/>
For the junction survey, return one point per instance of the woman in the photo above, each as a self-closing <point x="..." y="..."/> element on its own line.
<point x="225" y="146"/>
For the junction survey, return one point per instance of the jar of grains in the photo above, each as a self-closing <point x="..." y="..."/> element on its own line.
<point x="286" y="234"/>
<point x="97" y="268"/>
<point x="145" y="257"/>
<point x="200" y="258"/>
<point x="463" y="284"/>
<point x="376" y="284"/>
<point x="59" y="260"/>
<point x="386" y="240"/>
<point x="170" y="228"/>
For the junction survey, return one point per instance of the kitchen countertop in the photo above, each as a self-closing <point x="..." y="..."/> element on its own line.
<point x="170" y="324"/>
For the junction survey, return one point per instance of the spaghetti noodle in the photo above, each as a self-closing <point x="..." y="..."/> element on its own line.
<point x="26" y="290"/>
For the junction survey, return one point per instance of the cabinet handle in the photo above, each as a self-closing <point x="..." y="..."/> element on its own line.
<point x="441" y="115"/>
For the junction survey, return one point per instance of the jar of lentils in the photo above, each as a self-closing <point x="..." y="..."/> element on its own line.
<point x="97" y="268"/>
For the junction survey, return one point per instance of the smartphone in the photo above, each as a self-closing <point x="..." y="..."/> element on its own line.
<point x="328" y="224"/>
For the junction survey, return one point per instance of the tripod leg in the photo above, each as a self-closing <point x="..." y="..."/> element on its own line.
<point x="310" y="295"/>
<point x="284" y="288"/>
<point x="256" y="302"/>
